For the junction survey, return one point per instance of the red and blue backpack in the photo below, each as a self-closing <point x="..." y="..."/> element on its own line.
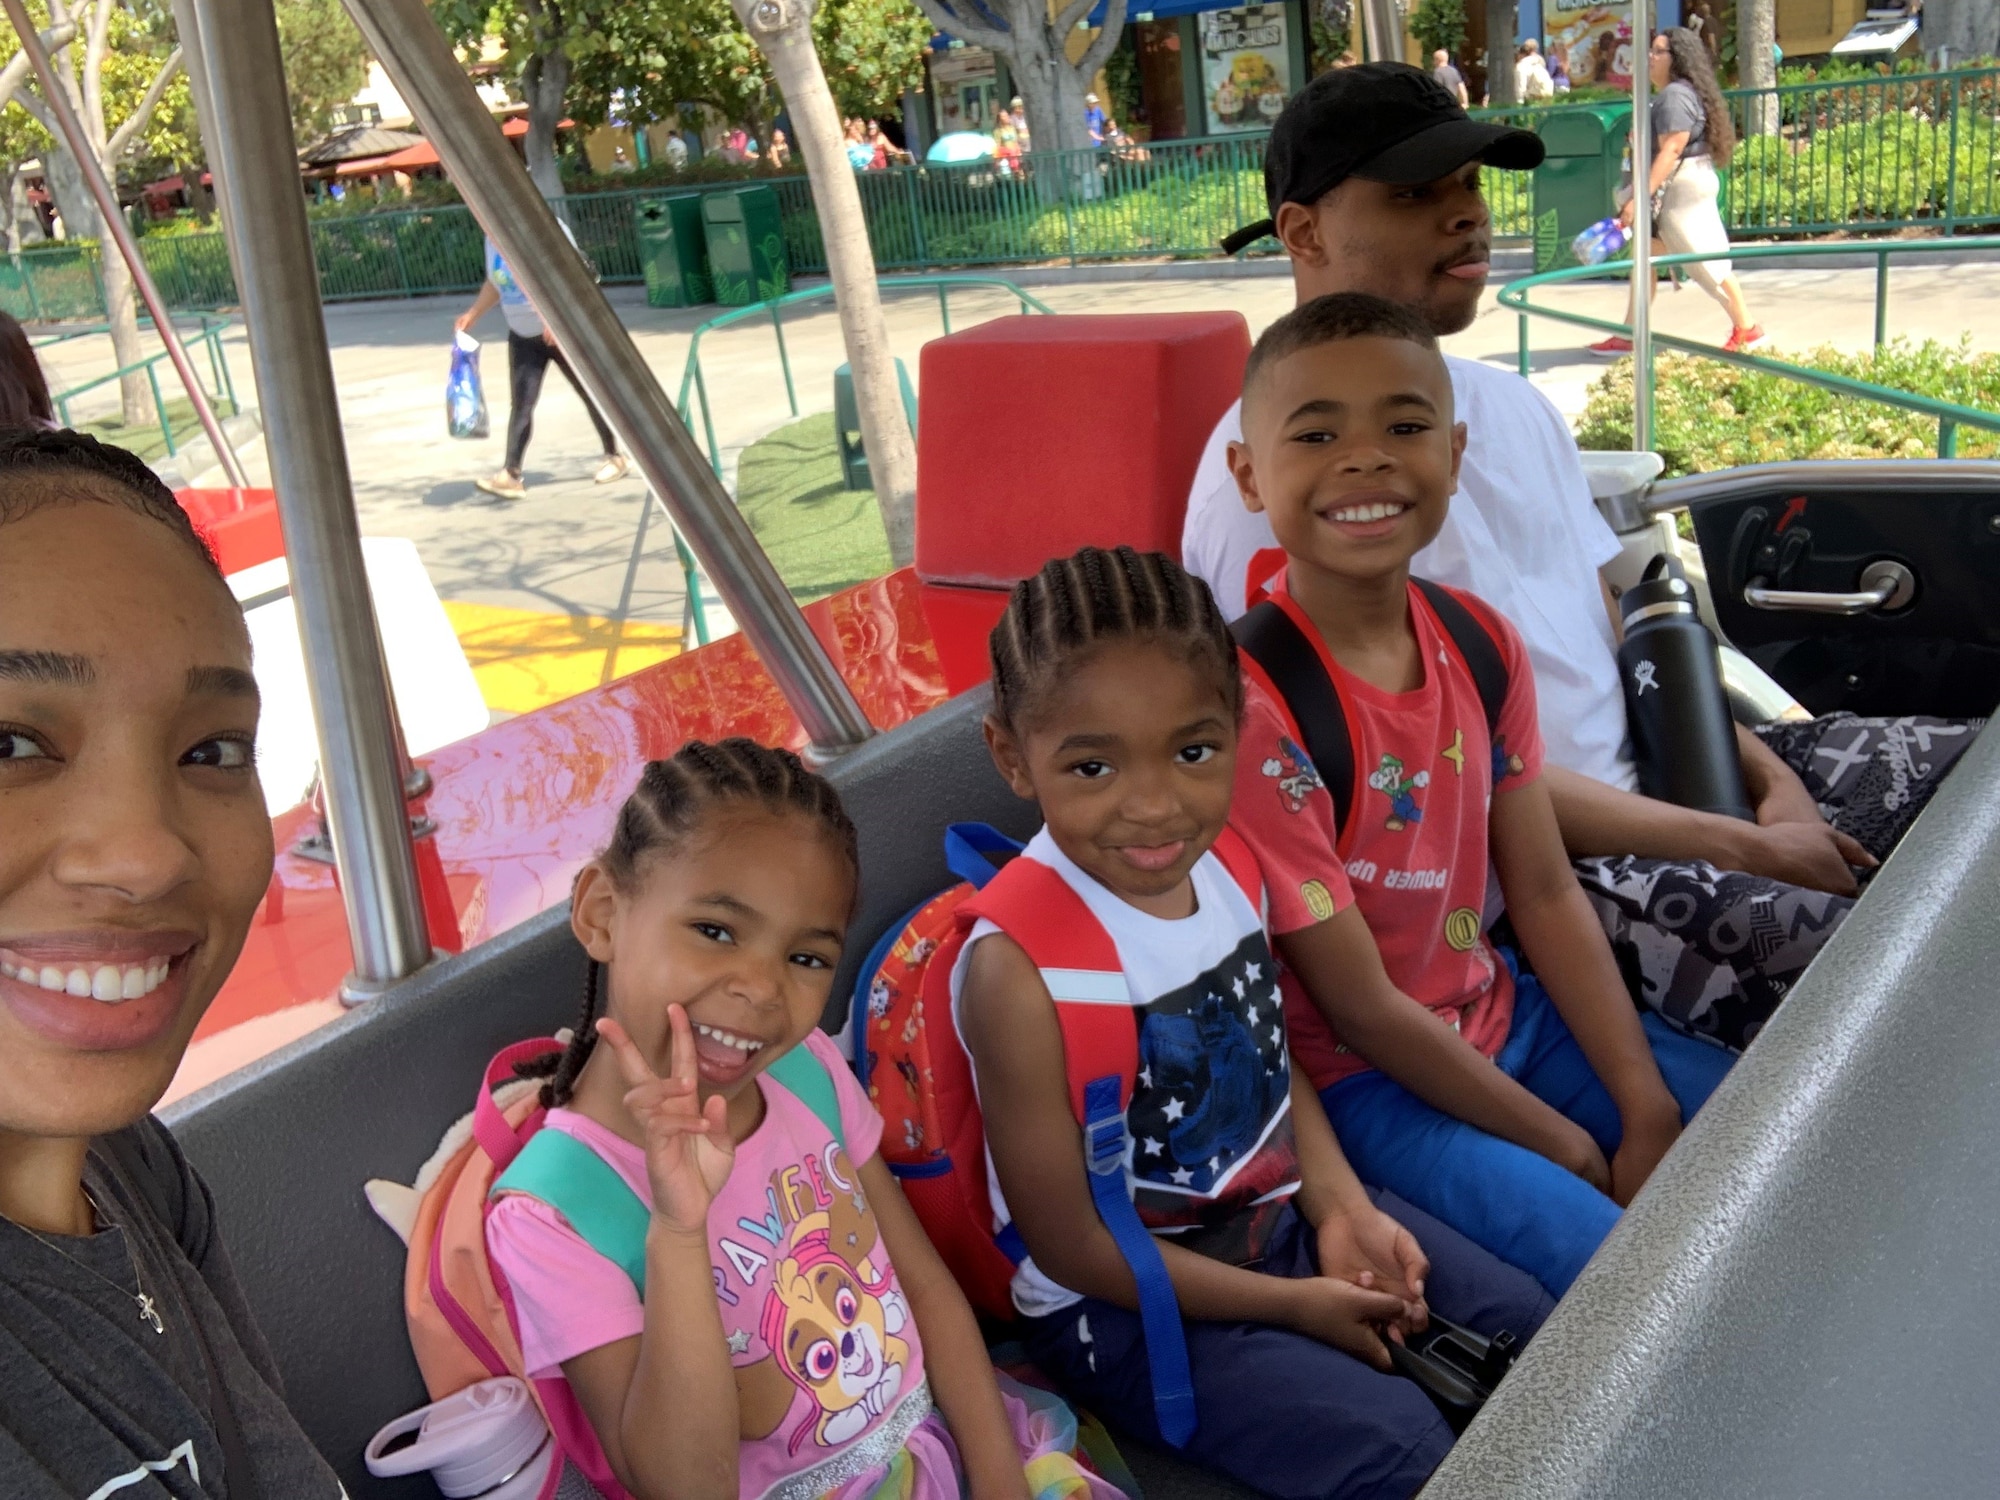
<point x="908" y="1054"/>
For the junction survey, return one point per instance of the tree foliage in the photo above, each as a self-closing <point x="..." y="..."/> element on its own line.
<point x="326" y="62"/>
<point x="139" y="45"/>
<point x="640" y="59"/>
<point x="1439" y="24"/>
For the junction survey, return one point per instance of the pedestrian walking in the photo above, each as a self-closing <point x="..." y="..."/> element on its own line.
<point x="1693" y="139"/>
<point x="531" y="349"/>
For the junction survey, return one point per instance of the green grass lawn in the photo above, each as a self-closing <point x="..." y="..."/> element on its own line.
<point x="146" y="439"/>
<point x="821" y="537"/>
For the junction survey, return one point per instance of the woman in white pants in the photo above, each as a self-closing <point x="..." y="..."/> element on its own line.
<point x="1693" y="138"/>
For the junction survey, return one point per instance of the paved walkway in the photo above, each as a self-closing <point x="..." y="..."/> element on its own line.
<point x="567" y="549"/>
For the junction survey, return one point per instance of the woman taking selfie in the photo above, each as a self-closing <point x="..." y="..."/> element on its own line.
<point x="134" y="848"/>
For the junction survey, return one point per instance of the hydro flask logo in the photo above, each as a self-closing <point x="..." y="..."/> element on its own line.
<point x="1642" y="673"/>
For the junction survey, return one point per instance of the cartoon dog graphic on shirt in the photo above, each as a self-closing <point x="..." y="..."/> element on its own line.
<point x="1296" y="778"/>
<point x="1388" y="779"/>
<point x="831" y="1320"/>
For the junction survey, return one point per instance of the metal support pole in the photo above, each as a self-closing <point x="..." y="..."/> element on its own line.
<point x="1642" y="229"/>
<point x="1881" y="298"/>
<point x="359" y="738"/>
<point x="1381" y="31"/>
<point x="80" y="149"/>
<point x="492" y="180"/>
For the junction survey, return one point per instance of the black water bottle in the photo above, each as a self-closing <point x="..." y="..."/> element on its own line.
<point x="1682" y="735"/>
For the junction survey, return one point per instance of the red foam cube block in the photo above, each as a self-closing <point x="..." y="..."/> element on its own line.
<point x="241" y="526"/>
<point x="1038" y="435"/>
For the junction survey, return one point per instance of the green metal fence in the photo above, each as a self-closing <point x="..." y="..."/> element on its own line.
<point x="221" y="389"/>
<point x="694" y="386"/>
<point x="1875" y="153"/>
<point x="1949" y="415"/>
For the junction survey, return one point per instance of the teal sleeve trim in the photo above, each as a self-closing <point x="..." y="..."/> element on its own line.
<point x="583" y="1187"/>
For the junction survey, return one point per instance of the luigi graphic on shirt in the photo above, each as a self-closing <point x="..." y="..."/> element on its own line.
<point x="1388" y="779"/>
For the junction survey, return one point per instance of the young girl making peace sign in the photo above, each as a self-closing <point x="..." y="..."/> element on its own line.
<point x="794" y="1326"/>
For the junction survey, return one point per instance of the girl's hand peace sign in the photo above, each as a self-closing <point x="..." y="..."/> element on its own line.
<point x="688" y="1146"/>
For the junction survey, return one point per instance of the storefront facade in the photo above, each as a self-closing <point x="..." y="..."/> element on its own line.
<point x="1203" y="68"/>
<point x="968" y="86"/>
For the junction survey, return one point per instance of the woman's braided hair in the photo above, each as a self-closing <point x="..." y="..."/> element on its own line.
<point x="668" y="806"/>
<point x="1078" y="603"/>
<point x="106" y="474"/>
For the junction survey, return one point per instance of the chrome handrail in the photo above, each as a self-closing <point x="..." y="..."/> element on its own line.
<point x="360" y="738"/>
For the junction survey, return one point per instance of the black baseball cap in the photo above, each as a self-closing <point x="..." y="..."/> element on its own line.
<point x="1385" y="121"/>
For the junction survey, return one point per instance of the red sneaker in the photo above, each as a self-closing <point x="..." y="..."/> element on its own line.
<point x="1612" y="347"/>
<point x="1743" y="340"/>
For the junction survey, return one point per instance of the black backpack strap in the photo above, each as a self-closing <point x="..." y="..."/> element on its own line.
<point x="1476" y="648"/>
<point x="1281" y="649"/>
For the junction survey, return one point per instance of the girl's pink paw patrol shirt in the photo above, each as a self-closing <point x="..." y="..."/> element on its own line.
<point x="829" y="1369"/>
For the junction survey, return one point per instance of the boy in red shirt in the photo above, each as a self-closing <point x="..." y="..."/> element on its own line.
<point x="1400" y="1004"/>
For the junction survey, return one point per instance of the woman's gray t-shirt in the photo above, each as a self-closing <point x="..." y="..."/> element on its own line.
<point x="1677" y="108"/>
<point x="92" y="1400"/>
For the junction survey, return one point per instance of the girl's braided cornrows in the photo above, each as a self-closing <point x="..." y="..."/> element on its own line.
<point x="672" y="798"/>
<point x="1077" y="603"/>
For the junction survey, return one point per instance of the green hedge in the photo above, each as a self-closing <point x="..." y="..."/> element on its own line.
<point x="1708" y="415"/>
<point x="1885" y="170"/>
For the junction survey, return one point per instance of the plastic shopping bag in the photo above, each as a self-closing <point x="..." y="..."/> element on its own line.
<point x="1599" y="242"/>
<point x="464" y="398"/>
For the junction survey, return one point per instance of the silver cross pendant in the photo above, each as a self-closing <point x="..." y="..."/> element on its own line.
<point x="150" y="1314"/>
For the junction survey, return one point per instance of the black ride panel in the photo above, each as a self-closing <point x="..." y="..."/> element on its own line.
<point x="1816" y="527"/>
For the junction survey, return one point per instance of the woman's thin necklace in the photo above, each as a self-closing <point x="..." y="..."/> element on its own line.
<point x="148" y="1313"/>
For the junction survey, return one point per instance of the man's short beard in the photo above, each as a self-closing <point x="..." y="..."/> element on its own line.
<point x="1444" y="322"/>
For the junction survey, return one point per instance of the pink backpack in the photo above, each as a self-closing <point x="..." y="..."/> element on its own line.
<point x="460" y="1314"/>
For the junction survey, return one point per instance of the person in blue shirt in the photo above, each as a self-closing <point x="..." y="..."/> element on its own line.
<point x="1093" y="119"/>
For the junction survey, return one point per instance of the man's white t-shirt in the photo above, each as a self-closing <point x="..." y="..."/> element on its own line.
<point x="1522" y="534"/>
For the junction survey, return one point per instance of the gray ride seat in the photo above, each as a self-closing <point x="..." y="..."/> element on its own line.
<point x="287" y="1143"/>
<point x="1798" y="1304"/>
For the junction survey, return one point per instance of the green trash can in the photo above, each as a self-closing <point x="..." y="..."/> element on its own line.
<point x="1577" y="182"/>
<point x="673" y="248"/>
<point x="746" y="245"/>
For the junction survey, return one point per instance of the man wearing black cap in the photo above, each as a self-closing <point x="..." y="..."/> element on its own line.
<point x="1372" y="175"/>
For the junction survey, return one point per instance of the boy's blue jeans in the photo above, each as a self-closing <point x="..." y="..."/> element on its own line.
<point x="1288" y="1416"/>
<point x="1521" y="1206"/>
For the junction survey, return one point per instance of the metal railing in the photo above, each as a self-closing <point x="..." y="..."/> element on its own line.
<point x="1882" y="152"/>
<point x="221" y="391"/>
<point x="694" y="384"/>
<point x="1854" y="155"/>
<point x="1949" y="415"/>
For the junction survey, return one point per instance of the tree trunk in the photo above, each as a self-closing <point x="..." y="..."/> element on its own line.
<point x="1957" y="30"/>
<point x="1757" y="63"/>
<point x="783" y="30"/>
<point x="1035" y="46"/>
<point x="1500" y="26"/>
<point x="80" y="217"/>
<point x="544" y="81"/>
